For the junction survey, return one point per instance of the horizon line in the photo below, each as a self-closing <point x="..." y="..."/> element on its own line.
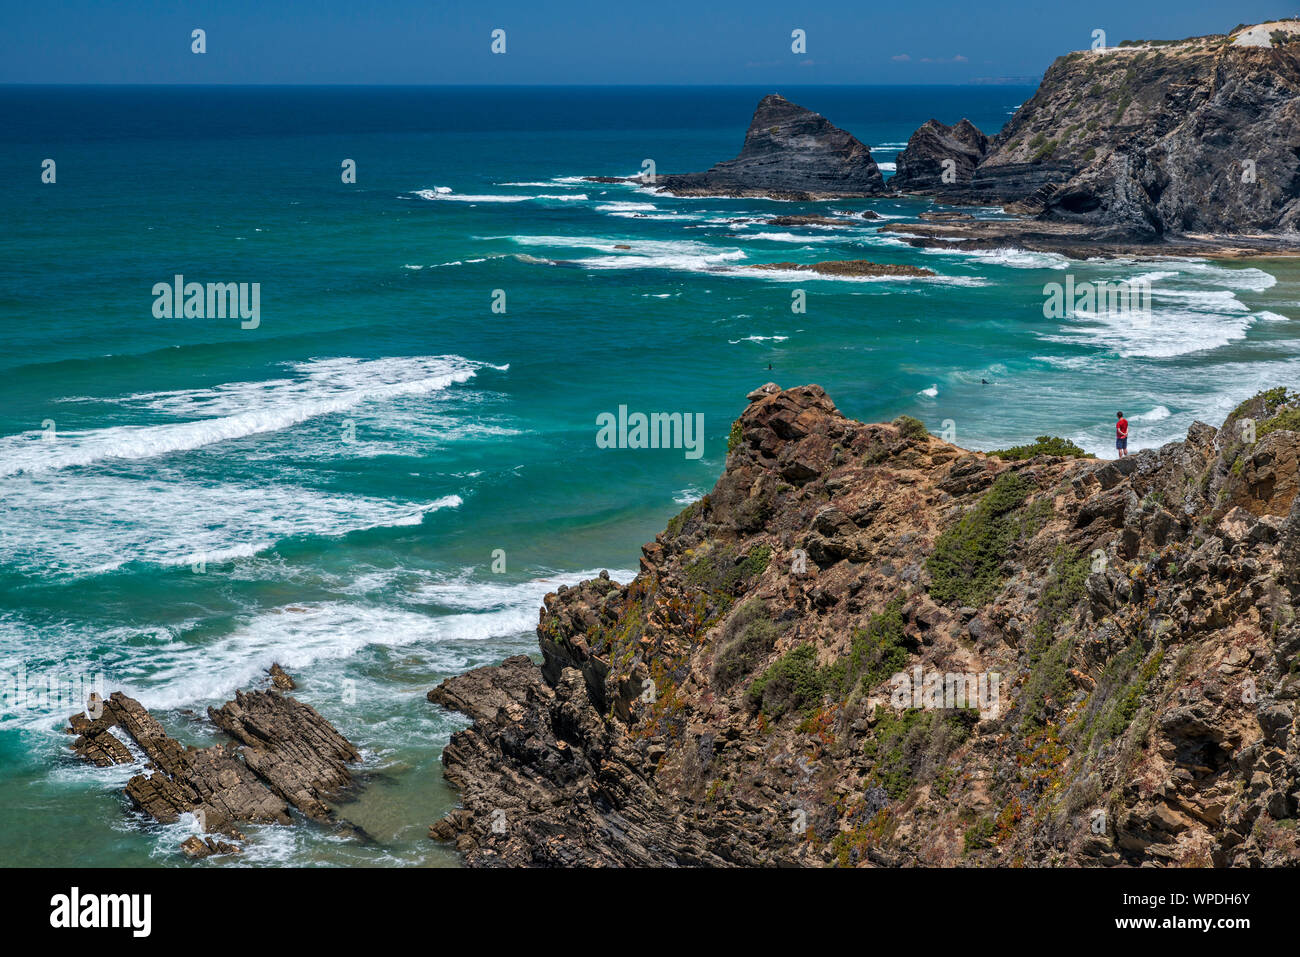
<point x="992" y="81"/>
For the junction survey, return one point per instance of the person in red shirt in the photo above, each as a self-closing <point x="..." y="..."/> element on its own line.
<point x="1121" y="434"/>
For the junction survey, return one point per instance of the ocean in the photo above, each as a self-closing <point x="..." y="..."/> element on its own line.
<point x="377" y="481"/>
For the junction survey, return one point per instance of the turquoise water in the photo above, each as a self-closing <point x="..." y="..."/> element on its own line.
<point x="186" y="501"/>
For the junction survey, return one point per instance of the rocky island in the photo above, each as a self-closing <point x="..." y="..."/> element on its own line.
<point x="789" y="153"/>
<point x="738" y="702"/>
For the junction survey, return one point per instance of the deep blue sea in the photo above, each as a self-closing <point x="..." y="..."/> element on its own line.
<point x="376" y="485"/>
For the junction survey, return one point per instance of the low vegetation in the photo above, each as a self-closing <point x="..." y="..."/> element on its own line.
<point x="748" y="637"/>
<point x="910" y="428"/>
<point x="1043" y="445"/>
<point x="967" y="563"/>
<point x="875" y="653"/>
<point x="792" y="683"/>
<point x="909" y="747"/>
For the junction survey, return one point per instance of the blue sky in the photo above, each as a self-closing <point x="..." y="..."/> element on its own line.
<point x="576" y="41"/>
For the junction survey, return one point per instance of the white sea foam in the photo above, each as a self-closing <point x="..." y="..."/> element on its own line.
<point x="683" y="255"/>
<point x="1249" y="279"/>
<point x="446" y="194"/>
<point x="759" y="339"/>
<point x="792" y="238"/>
<point x="803" y="275"/>
<point x="626" y="207"/>
<point x="969" y="281"/>
<point x="456" y="610"/>
<point x="1158" y="414"/>
<point x="92" y="524"/>
<point x="237" y="410"/>
<point x="1180" y="322"/>
<point x="1015" y="258"/>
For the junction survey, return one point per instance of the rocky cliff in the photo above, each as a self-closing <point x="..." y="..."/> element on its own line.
<point x="1153" y="138"/>
<point x="742" y="702"/>
<point x="789" y="152"/>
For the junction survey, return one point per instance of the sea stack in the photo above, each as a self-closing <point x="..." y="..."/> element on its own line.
<point x="790" y="153"/>
<point x="940" y="158"/>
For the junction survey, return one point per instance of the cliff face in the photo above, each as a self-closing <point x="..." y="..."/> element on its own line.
<point x="789" y="151"/>
<point x="736" y="703"/>
<point x="1196" y="136"/>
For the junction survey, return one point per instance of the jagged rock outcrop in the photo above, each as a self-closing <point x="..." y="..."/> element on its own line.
<point x="736" y="703"/>
<point x="289" y="746"/>
<point x="940" y="159"/>
<point x="789" y="152"/>
<point x="1149" y="140"/>
<point x="290" y="756"/>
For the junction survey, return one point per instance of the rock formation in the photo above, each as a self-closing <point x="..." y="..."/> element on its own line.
<point x="1148" y="140"/>
<point x="940" y="159"/>
<point x="789" y="153"/>
<point x="290" y="756"/>
<point x="738" y="702"/>
<point x="848" y="267"/>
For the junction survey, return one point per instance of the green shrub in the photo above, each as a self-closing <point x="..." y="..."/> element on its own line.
<point x="1126" y="705"/>
<point x="678" y="521"/>
<point x="735" y="436"/>
<point x="1048" y="684"/>
<point x="876" y="652"/>
<point x="1044" y="152"/>
<point x="908" y="747"/>
<point x="1043" y="445"/>
<point x="747" y="638"/>
<point x="980" y="834"/>
<point x="966" y="565"/>
<point x="719" y="572"/>
<point x="1119" y="692"/>
<point x="1065" y="589"/>
<point x="910" y="428"/>
<point x="792" y="683"/>
<point x="1287" y="420"/>
<point x="1269" y="399"/>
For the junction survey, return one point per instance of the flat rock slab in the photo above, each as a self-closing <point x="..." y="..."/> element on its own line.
<point x="287" y="755"/>
<point x="482" y="693"/>
<point x="290" y="746"/>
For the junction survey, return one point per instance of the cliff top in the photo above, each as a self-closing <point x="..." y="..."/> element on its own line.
<point x="739" y="701"/>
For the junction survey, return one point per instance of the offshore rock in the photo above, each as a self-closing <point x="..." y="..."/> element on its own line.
<point x="791" y="153"/>
<point x="940" y="158"/>
<point x="291" y="756"/>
